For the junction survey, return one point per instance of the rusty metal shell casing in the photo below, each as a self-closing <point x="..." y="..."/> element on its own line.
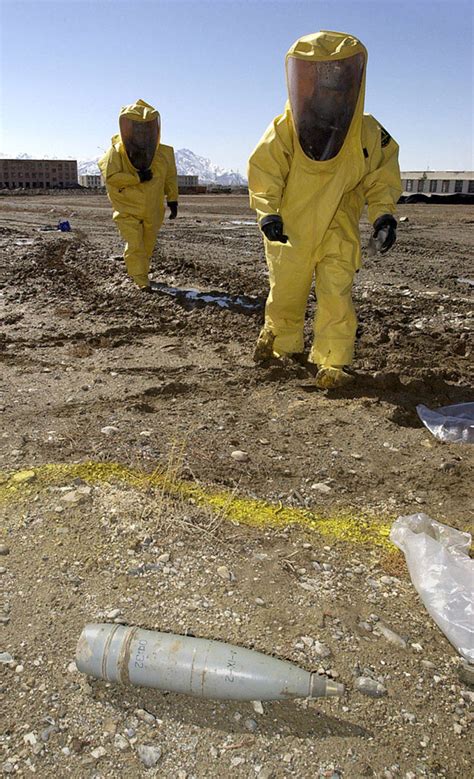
<point x="193" y="666"/>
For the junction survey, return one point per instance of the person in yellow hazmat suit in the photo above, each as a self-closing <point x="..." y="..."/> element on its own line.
<point x="310" y="176"/>
<point x="139" y="171"/>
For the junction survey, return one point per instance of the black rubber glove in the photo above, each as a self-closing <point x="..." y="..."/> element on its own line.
<point x="145" y="175"/>
<point x="272" y="227"/>
<point x="388" y="224"/>
<point x="173" y="207"/>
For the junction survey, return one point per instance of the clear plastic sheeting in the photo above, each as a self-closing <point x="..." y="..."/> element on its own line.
<point x="443" y="575"/>
<point x="452" y="424"/>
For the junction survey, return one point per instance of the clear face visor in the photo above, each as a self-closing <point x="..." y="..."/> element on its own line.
<point x="323" y="97"/>
<point x="140" y="140"/>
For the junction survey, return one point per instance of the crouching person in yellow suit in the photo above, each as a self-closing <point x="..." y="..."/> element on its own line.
<point x="309" y="178"/>
<point x="139" y="172"/>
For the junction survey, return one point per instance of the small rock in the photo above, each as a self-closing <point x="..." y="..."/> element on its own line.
<point x="287" y="757"/>
<point x="74" y="498"/>
<point x="239" y="455"/>
<point x="257" y="707"/>
<point x="109" y="430"/>
<point x="259" y="601"/>
<point x="224" y="572"/>
<point x="149" y="755"/>
<point x="30" y="739"/>
<point x="19" y="669"/>
<point x="2" y="570"/>
<point x="164" y="558"/>
<point x="321" y="649"/>
<point x="113" y="613"/>
<point x="46" y="733"/>
<point x="417" y="647"/>
<point x="370" y="687"/>
<point x="109" y="726"/>
<point x="251" y="725"/>
<point x="98" y="752"/>
<point x="72" y="668"/>
<point x="120" y="742"/>
<point x="448" y="466"/>
<point x="4" y="550"/>
<point x="237" y="761"/>
<point x="428" y="664"/>
<point x="5" y="658"/>
<point x="382" y="630"/>
<point x="144" y="716"/>
<point x="24" y="477"/>
<point x="321" y="487"/>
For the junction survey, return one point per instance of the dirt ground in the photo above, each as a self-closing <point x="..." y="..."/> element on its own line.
<point x="145" y="399"/>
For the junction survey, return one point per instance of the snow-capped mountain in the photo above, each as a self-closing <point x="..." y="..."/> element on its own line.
<point x="188" y="164"/>
<point x="88" y="167"/>
<point x="191" y="164"/>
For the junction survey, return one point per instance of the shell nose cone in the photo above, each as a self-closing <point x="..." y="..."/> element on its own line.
<point x="322" y="687"/>
<point x="334" y="689"/>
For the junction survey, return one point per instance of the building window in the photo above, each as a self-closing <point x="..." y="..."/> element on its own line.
<point x="445" y="185"/>
<point x="420" y="185"/>
<point x="433" y="185"/>
<point x="470" y="187"/>
<point x="409" y="185"/>
<point x="458" y="186"/>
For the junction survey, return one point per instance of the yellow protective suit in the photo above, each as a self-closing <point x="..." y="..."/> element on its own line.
<point x="320" y="203"/>
<point x="139" y="206"/>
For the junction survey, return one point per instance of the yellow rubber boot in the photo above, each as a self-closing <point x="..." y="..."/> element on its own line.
<point x="264" y="346"/>
<point x="332" y="377"/>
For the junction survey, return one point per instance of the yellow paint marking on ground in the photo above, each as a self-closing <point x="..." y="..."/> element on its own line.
<point x="344" y="525"/>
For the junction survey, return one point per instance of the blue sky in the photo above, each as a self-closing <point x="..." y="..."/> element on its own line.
<point x="215" y="70"/>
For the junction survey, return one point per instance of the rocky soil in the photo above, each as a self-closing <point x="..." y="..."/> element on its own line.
<point x="96" y="372"/>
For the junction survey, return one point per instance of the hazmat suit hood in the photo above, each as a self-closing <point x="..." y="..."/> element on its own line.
<point x="140" y="126"/>
<point x="326" y="87"/>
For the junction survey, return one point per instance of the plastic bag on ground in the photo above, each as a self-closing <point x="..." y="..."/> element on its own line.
<point x="453" y="424"/>
<point x="64" y="226"/>
<point x="442" y="573"/>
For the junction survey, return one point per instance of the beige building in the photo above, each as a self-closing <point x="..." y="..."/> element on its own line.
<point x="37" y="174"/>
<point x="188" y="181"/>
<point x="441" y="182"/>
<point x="91" y="180"/>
